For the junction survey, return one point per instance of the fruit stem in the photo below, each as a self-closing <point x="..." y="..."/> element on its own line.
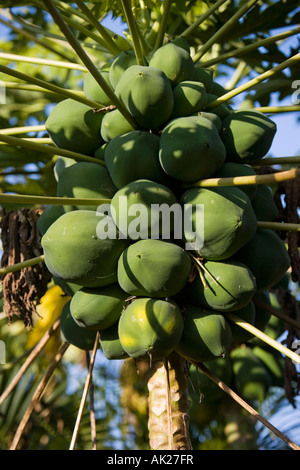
<point x="279" y="226"/>
<point x="23" y="264"/>
<point x="39" y="61"/>
<point x="251" y="83"/>
<point x="49" y="149"/>
<point x="245" y="180"/>
<point x="50" y="200"/>
<point x="133" y="28"/>
<point x="224" y="29"/>
<point x="59" y="20"/>
<point x="166" y="6"/>
<point x="277" y="161"/>
<point x="290" y="321"/>
<point x="245" y="405"/>
<point x="23" y="129"/>
<point x="190" y="30"/>
<point x="49" y="86"/>
<point x="277" y="109"/>
<point x="250" y="47"/>
<point x="39" y="140"/>
<point x="30" y="87"/>
<point x="259" y="334"/>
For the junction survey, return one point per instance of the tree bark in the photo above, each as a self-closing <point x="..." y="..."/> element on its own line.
<point x="168" y="421"/>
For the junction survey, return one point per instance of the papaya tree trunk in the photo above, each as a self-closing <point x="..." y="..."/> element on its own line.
<point x="168" y="421"/>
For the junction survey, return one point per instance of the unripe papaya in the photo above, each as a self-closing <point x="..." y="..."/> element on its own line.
<point x="203" y="387"/>
<point x="74" y="252"/>
<point x="181" y="42"/>
<point x="206" y="335"/>
<point x="110" y="343"/>
<point x="247" y="135"/>
<point x="267" y="258"/>
<point x="93" y="91"/>
<point x="174" y="61"/>
<point x="68" y="287"/>
<point x="252" y="379"/>
<point x="145" y="198"/>
<point x="48" y="216"/>
<point x="247" y="314"/>
<point x="191" y="149"/>
<point x="189" y="98"/>
<point x="211" y="117"/>
<point x="114" y="124"/>
<point x="85" y="180"/>
<point x="75" y="126"/>
<point x="72" y="333"/>
<point x="232" y="169"/>
<point x="122" y="62"/>
<point x="274" y="362"/>
<point x="222" y="110"/>
<point x="229" y="221"/>
<point x="262" y="315"/>
<point x="217" y="89"/>
<point x="204" y="76"/>
<point x="98" y="308"/>
<point x="100" y="151"/>
<point x="60" y="164"/>
<point x="264" y="205"/>
<point x="223" y="292"/>
<point x="153" y="268"/>
<point x="132" y="156"/>
<point x="150" y="328"/>
<point x="147" y="94"/>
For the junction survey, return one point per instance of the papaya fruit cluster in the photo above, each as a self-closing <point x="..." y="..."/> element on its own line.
<point x="149" y="296"/>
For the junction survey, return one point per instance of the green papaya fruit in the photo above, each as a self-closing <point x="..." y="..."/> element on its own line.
<point x="191" y="149"/>
<point x="93" y="91"/>
<point x="189" y="98"/>
<point x="110" y="343"/>
<point x="206" y="335"/>
<point x="203" y="387"/>
<point x="114" y="124"/>
<point x="213" y="118"/>
<point x="264" y="204"/>
<point x="98" y="308"/>
<point x="174" y="61"/>
<point x="147" y="94"/>
<point x="181" y="42"/>
<point x="217" y="89"/>
<point x="204" y="76"/>
<point x="153" y="268"/>
<point x="247" y="135"/>
<point x="247" y="314"/>
<point x="223" y="292"/>
<point x="85" y="180"/>
<point x="123" y="158"/>
<point x="262" y="315"/>
<point x="60" y="164"/>
<point x="100" y="151"/>
<point x="228" y="222"/>
<point x="136" y="210"/>
<point x="72" y="333"/>
<point x="150" y="328"/>
<point x="75" y="253"/>
<point x="274" y="362"/>
<point x="48" y="216"/>
<point x="75" y="126"/>
<point x="252" y="379"/>
<point x="68" y="287"/>
<point x="232" y="169"/>
<point x="122" y="62"/>
<point x="266" y="256"/>
<point x="222" y="110"/>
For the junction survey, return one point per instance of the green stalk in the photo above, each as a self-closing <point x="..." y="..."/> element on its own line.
<point x="34" y="38"/>
<point x="111" y="45"/>
<point x="39" y="61"/>
<point x="251" y="47"/>
<point x="87" y="61"/>
<point x="202" y="18"/>
<point x="224" y="29"/>
<point x="39" y="140"/>
<point x="22" y="130"/>
<point x="30" y="87"/>
<point x="259" y="334"/>
<point x="278" y="161"/>
<point x="279" y="226"/>
<point x="49" y="86"/>
<point x="49" y="149"/>
<point x="278" y="109"/>
<point x="245" y="180"/>
<point x="50" y="200"/>
<point x="264" y="76"/>
<point x="166" y="6"/>
<point x="133" y="28"/>
<point x="23" y="264"/>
